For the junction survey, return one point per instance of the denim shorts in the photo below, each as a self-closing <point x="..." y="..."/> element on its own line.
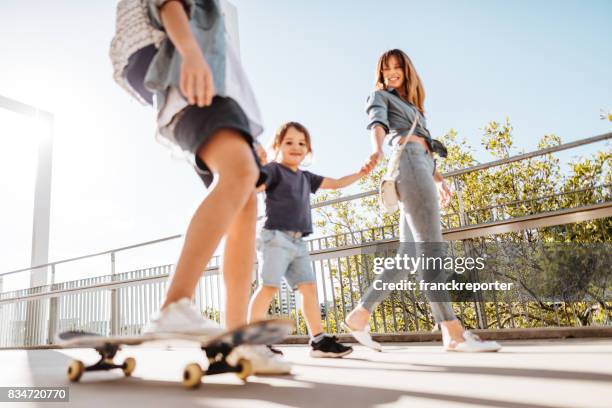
<point x="282" y="256"/>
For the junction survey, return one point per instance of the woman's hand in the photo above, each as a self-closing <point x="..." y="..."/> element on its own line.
<point x="377" y="136"/>
<point x="444" y="192"/>
<point x="196" y="82"/>
<point x="196" y="79"/>
<point x="374" y="158"/>
<point x="366" y="168"/>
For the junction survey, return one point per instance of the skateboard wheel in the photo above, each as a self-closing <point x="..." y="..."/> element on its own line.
<point x="246" y="369"/>
<point x="192" y="375"/>
<point x="75" y="370"/>
<point x="129" y="364"/>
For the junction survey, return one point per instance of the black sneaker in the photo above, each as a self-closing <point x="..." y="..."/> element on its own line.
<point x="328" y="346"/>
<point x="274" y="350"/>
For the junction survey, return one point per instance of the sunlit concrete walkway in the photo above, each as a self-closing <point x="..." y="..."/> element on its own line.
<point x="556" y="373"/>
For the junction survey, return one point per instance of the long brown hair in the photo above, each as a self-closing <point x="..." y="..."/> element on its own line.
<point x="282" y="131"/>
<point x="412" y="89"/>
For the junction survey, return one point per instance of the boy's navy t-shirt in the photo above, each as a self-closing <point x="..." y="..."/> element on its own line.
<point x="288" y="198"/>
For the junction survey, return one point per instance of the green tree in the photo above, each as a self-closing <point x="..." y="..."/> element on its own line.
<point x="530" y="186"/>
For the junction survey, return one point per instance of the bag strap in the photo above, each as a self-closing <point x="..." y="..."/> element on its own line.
<point x="411" y="132"/>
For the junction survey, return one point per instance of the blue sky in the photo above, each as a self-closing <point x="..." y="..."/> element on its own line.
<point x="546" y="65"/>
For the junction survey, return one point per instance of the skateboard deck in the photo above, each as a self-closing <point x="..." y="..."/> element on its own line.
<point x="217" y="348"/>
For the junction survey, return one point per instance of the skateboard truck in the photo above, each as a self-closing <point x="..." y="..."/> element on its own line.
<point x="107" y="354"/>
<point x="217" y="364"/>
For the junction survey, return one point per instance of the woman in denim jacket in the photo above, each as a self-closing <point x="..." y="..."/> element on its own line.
<point x="392" y="109"/>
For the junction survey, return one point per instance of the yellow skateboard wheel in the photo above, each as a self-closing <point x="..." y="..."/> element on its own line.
<point x="192" y="376"/>
<point x="75" y="370"/>
<point x="247" y="369"/>
<point x="129" y="364"/>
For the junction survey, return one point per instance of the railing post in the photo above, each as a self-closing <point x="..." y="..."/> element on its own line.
<point x="114" y="326"/>
<point x="479" y="304"/>
<point x="462" y="217"/>
<point x="198" y="295"/>
<point x="53" y="312"/>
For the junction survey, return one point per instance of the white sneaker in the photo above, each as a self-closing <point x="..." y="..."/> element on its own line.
<point x="364" y="337"/>
<point x="472" y="344"/>
<point x="181" y="317"/>
<point x="262" y="359"/>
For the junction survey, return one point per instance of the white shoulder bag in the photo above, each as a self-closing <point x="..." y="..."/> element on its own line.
<point x="388" y="196"/>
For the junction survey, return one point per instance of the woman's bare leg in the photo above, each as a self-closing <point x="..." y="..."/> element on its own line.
<point x="226" y="154"/>
<point x="239" y="263"/>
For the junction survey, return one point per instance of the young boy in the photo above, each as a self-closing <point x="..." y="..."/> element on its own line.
<point x="283" y="254"/>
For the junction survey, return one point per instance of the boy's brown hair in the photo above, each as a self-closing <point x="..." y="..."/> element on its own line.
<point x="282" y="131"/>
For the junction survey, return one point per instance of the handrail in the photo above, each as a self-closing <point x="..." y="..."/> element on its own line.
<point x="495" y="163"/>
<point x="453" y="173"/>
<point x="110" y="251"/>
<point x="528" y="221"/>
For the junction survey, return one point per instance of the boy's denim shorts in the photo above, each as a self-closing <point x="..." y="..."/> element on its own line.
<point x="282" y="256"/>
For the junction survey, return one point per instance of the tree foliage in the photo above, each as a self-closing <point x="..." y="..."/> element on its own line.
<point x="533" y="185"/>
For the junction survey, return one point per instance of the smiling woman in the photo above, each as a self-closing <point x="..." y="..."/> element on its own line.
<point x="18" y="155"/>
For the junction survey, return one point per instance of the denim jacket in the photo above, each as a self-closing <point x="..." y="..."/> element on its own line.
<point x="387" y="108"/>
<point x="208" y="28"/>
<point x="396" y="116"/>
<point x="207" y="23"/>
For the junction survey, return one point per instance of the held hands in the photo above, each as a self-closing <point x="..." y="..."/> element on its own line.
<point x="332" y="183"/>
<point x="261" y="153"/>
<point x="366" y="168"/>
<point x="375" y="157"/>
<point x="444" y="192"/>
<point x="196" y="79"/>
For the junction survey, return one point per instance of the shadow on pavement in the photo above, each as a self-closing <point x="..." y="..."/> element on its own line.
<point x="48" y="368"/>
<point x="302" y="394"/>
<point x="478" y="370"/>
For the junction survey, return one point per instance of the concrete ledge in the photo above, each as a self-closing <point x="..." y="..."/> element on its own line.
<point x="536" y="333"/>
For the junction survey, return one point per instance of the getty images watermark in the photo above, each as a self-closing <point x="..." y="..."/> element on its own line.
<point x="491" y="271"/>
<point x="434" y="270"/>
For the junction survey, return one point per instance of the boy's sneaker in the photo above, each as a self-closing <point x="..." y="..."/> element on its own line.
<point x="181" y="317"/>
<point x="262" y="359"/>
<point x="328" y="346"/>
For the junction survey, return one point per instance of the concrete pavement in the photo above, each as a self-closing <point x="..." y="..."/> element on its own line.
<point x="541" y="374"/>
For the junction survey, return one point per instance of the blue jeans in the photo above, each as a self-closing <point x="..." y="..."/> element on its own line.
<point x="281" y="255"/>
<point x="419" y="228"/>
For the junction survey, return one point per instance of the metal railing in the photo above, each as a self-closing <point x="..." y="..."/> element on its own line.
<point x="121" y="303"/>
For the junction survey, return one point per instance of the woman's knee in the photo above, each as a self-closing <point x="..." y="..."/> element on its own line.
<point x="241" y="174"/>
<point x="230" y="156"/>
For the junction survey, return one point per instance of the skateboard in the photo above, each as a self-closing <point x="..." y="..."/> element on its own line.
<point x="217" y="348"/>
